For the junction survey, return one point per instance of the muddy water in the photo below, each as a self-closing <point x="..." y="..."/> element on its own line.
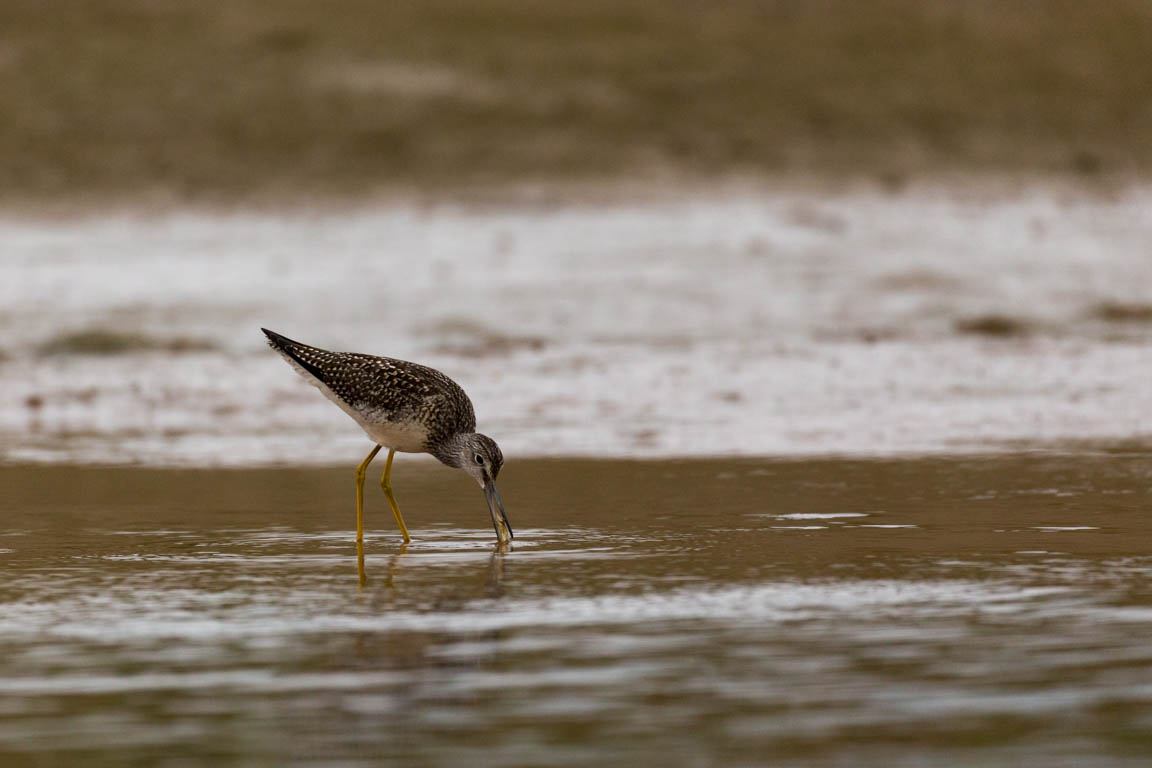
<point x="960" y="611"/>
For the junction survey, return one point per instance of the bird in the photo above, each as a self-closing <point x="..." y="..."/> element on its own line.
<point x="407" y="408"/>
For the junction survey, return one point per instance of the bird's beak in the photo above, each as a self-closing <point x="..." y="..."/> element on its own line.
<point x="496" y="507"/>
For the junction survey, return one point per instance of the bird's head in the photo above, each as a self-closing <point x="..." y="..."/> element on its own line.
<point x="480" y="457"/>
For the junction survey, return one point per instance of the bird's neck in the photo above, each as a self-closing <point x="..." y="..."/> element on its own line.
<point x="449" y="451"/>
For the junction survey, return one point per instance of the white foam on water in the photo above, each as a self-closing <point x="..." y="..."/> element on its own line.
<point x="818" y="515"/>
<point x="1058" y="528"/>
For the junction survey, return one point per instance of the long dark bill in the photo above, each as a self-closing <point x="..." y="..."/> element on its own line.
<point x="496" y="507"/>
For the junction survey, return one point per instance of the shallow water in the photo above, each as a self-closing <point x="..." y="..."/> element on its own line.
<point x="991" y="611"/>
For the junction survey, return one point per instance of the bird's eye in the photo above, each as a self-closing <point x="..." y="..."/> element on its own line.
<point x="479" y="459"/>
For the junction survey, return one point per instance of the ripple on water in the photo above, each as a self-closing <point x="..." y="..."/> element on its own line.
<point x="134" y="614"/>
<point x="818" y="515"/>
<point x="1058" y="528"/>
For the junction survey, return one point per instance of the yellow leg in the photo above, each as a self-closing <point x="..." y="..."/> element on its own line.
<point x="361" y="471"/>
<point x="392" y="499"/>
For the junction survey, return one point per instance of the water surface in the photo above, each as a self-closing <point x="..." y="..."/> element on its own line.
<point x="991" y="611"/>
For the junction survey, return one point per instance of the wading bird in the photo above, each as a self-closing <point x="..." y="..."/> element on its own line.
<point x="403" y="407"/>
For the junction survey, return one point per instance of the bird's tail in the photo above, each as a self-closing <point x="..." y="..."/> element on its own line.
<point x="300" y="356"/>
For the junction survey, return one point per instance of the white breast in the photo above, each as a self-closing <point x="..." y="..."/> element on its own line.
<point x="406" y="437"/>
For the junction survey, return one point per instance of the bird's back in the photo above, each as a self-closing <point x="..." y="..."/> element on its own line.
<point x="403" y="405"/>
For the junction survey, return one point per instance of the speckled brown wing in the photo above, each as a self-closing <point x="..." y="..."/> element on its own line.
<point x="383" y="390"/>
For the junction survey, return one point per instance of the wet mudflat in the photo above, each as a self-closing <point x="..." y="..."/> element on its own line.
<point x="991" y="611"/>
<point x="947" y="319"/>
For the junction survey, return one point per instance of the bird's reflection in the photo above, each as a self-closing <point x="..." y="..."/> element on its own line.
<point x="493" y="583"/>
<point x="360" y="564"/>
<point x="393" y="565"/>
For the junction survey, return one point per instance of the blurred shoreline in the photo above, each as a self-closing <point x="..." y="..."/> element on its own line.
<point x="526" y="196"/>
<point x="245" y="103"/>
<point x="784" y="324"/>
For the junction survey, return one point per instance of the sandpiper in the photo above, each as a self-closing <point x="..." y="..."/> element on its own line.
<point x="403" y="407"/>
